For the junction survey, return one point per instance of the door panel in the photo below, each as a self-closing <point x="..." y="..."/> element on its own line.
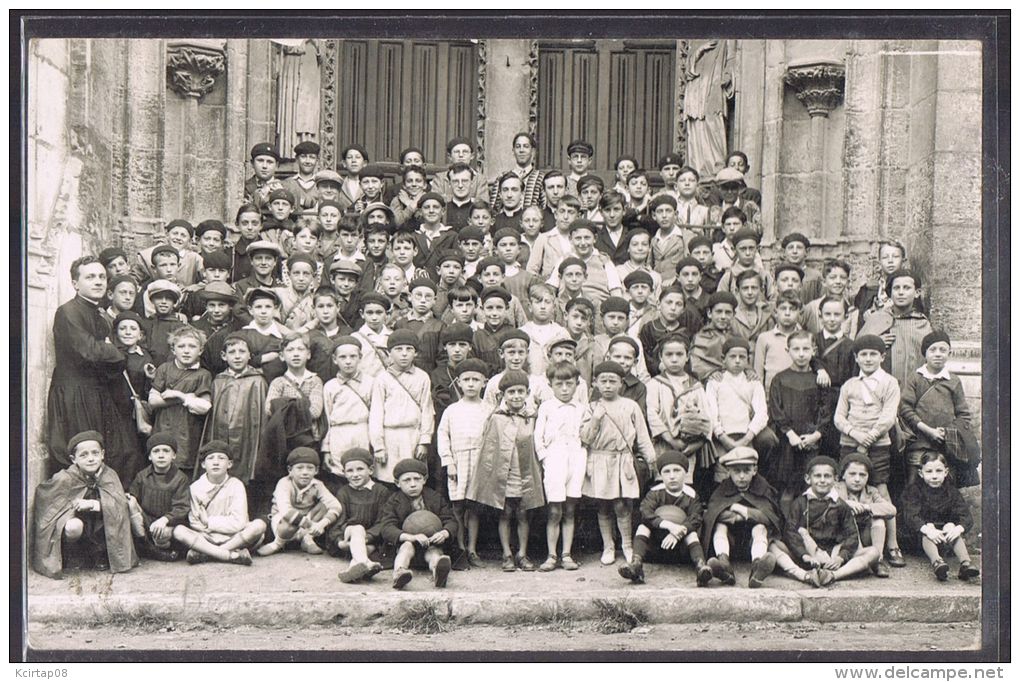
<point x="397" y="94"/>
<point x="616" y="94"/>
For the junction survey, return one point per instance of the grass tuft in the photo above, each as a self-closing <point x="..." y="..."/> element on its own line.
<point x="422" y="617"/>
<point x="617" y="616"/>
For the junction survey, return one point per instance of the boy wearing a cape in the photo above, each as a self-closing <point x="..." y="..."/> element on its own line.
<point x="744" y="508"/>
<point x="81" y="515"/>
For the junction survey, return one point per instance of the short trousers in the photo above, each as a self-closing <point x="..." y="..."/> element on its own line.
<point x="879" y="456"/>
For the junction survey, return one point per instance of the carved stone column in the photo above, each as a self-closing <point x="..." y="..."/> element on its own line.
<point x="192" y="69"/>
<point x="819" y="85"/>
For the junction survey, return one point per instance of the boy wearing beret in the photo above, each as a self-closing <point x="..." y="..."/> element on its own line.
<point x="933" y="406"/>
<point x="707" y="344"/>
<point x="639" y="286"/>
<point x="179" y="234"/>
<point x="737" y="406"/>
<point x="357" y="532"/>
<point x="264" y="161"/>
<point x="81" y="515"/>
<point x="460" y="152"/>
<point x="795" y="248"/>
<point x="303" y="508"/>
<point x="421" y="320"/>
<point x="279" y="226"/>
<point x="495" y="304"/>
<point x="867" y="408"/>
<point x="401" y="417"/>
<point x="456" y="340"/>
<point x="412" y="496"/>
<point x="745" y="244"/>
<point x="218" y="526"/>
<point x="302" y="184"/>
<point x="159" y="498"/>
<point x="659" y="538"/>
<point x="374" y="334"/>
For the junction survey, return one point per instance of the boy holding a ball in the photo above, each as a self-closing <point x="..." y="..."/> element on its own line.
<point x="419" y="522"/>
<point x="670" y="521"/>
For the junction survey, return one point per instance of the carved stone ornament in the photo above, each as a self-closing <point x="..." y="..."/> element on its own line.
<point x="533" y="87"/>
<point x="328" y="94"/>
<point x="819" y="84"/>
<point x="192" y="67"/>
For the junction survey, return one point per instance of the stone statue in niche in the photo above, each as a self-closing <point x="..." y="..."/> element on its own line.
<point x="709" y="87"/>
<point x="297" y="106"/>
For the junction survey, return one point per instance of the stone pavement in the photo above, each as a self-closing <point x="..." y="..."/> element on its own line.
<point x="297" y="589"/>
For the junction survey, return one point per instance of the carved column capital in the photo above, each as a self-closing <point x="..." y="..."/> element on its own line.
<point x="819" y="84"/>
<point x="193" y="66"/>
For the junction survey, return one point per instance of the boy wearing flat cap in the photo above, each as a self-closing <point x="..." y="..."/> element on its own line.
<point x="419" y="548"/>
<point x="159" y="496"/>
<point x="218" y="527"/>
<point x="265" y="257"/>
<point x="744" y="509"/>
<point x="216" y="267"/>
<point x="279" y="226"/>
<point x="264" y="161"/>
<point x="579" y="157"/>
<point x="401" y="418"/>
<point x="81" y="516"/>
<point x="164" y="318"/>
<point x="303" y="508"/>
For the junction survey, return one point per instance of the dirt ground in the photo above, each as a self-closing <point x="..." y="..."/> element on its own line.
<point x="567" y="636"/>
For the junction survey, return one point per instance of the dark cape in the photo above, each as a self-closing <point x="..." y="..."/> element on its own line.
<point x="54" y="507"/>
<point x="81" y="395"/>
<point x="760" y="495"/>
<point x="236" y="417"/>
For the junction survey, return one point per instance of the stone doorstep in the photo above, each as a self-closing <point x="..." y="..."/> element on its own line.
<point x="687" y="605"/>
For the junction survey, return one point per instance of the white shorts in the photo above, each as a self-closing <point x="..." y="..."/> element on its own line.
<point x="563" y="472"/>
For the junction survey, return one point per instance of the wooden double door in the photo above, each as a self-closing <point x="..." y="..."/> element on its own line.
<point x="394" y="94"/>
<point x="617" y="94"/>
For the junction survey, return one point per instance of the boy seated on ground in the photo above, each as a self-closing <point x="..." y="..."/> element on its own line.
<point x="357" y="531"/>
<point x="412" y="496"/>
<point x="821" y="531"/>
<point x="81" y="515"/>
<point x="159" y="500"/>
<point x="744" y="508"/>
<point x="875" y="515"/>
<point x="662" y="535"/>
<point x="303" y="508"/>
<point x="219" y="526"/>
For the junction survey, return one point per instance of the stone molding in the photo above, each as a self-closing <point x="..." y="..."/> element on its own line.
<point x="533" y="87"/>
<point x="483" y="64"/>
<point x="680" y="132"/>
<point x="193" y="66"/>
<point x="819" y="84"/>
<point x="329" y="86"/>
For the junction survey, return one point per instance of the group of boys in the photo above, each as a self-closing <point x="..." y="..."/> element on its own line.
<point x="365" y="305"/>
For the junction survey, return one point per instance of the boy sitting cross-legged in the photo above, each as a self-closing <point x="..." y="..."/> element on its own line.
<point x="219" y="526"/>
<point x="821" y="531"/>
<point x="357" y="531"/>
<point x="662" y="528"/>
<point x="412" y="496"/>
<point x="303" y="508"/>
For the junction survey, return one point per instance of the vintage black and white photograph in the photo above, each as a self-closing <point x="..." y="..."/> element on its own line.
<point x="364" y="343"/>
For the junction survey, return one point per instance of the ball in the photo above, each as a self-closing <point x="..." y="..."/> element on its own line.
<point x="422" y="522"/>
<point x="671" y="513"/>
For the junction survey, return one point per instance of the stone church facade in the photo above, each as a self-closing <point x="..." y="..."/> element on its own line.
<point x="850" y="141"/>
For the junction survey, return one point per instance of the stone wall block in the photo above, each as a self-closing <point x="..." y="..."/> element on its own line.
<point x="860" y="201"/>
<point x="960" y="71"/>
<point x="897" y="81"/>
<point x="922" y="129"/>
<point x="957" y="191"/>
<point x="959" y="122"/>
<point x="923" y="71"/>
<point x="895" y="142"/>
<point x="796" y="204"/>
